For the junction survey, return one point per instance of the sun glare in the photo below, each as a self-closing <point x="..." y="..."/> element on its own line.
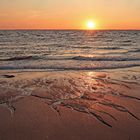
<point x="91" y="25"/>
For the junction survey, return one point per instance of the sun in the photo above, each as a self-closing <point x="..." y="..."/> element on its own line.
<point x="91" y="25"/>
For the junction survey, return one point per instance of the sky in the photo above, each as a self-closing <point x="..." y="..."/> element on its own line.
<point x="69" y="14"/>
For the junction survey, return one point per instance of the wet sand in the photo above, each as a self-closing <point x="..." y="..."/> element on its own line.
<point x="70" y="105"/>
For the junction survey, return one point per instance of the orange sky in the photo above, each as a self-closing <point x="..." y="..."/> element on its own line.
<point x="69" y="14"/>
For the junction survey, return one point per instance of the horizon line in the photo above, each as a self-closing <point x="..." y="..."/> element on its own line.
<point x="123" y="29"/>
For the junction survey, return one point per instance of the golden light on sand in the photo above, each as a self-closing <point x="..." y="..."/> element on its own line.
<point x="91" y="25"/>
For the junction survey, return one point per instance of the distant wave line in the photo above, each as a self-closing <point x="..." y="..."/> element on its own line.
<point x="67" y="68"/>
<point x="78" y="58"/>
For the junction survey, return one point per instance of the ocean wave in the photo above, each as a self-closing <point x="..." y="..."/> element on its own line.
<point x="31" y="58"/>
<point x="127" y="41"/>
<point x="135" y="51"/>
<point x="109" y="48"/>
<point x="77" y="58"/>
<point x="105" y="58"/>
<point x="126" y="44"/>
<point x="45" y="68"/>
<point x="18" y="58"/>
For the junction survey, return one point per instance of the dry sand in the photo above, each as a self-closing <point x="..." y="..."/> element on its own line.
<point x="69" y="105"/>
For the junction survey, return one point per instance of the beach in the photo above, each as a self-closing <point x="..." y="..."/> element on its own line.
<point x="73" y="105"/>
<point x="69" y="85"/>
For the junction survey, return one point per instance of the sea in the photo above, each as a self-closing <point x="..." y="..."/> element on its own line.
<point x="69" y="49"/>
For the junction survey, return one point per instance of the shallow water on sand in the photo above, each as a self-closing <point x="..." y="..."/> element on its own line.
<point x="92" y="93"/>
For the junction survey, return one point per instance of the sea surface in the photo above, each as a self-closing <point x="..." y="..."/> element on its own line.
<point x="68" y="50"/>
